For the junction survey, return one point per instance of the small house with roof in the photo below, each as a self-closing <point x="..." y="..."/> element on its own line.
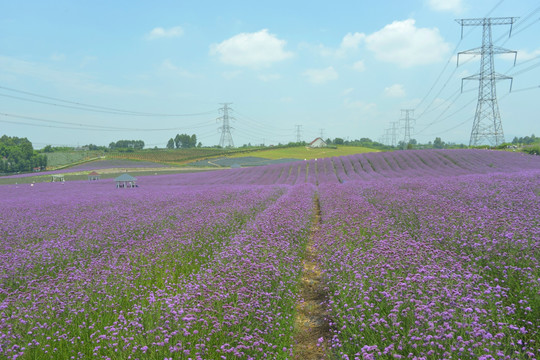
<point x="318" y="143"/>
<point x="94" y="176"/>
<point x="126" y="181"/>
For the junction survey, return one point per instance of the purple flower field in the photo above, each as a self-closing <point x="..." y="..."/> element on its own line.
<point x="95" y="165"/>
<point x="424" y="254"/>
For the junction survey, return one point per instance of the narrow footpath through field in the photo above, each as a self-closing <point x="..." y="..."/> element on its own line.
<point x="312" y="329"/>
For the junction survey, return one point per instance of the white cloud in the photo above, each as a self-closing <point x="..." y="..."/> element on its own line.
<point x="522" y="55"/>
<point x="395" y="90"/>
<point x="269" y="77"/>
<point x="455" y="6"/>
<point x="259" y="49"/>
<point x="321" y="76"/>
<point x="286" y="99"/>
<point x="160" y="32"/>
<point x="88" y="60"/>
<point x="351" y="41"/>
<point x="229" y="75"/>
<point x="360" y="105"/>
<point x="463" y="74"/>
<point x="347" y="91"/>
<point x="168" y="67"/>
<point x="402" y="43"/>
<point x="359" y="66"/>
<point x="58" y="57"/>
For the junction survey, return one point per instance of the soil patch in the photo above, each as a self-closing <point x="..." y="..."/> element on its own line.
<point x="311" y="323"/>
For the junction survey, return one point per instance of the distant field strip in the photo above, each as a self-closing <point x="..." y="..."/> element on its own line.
<point x="374" y="166"/>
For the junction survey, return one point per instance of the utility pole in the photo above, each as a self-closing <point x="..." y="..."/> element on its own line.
<point x="487" y="119"/>
<point x="226" y="138"/>
<point x="407" y="119"/>
<point x="298" y="133"/>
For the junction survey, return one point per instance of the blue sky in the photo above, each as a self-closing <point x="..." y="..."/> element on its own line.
<point x="340" y="68"/>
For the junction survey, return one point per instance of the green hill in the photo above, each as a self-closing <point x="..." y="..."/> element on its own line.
<point x="303" y="152"/>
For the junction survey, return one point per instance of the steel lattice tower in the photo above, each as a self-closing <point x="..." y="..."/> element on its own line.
<point x="487" y="120"/>
<point x="298" y="133"/>
<point x="226" y="137"/>
<point x="386" y="137"/>
<point x="394" y="133"/>
<point x="407" y="119"/>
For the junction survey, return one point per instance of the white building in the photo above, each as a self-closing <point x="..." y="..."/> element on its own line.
<point x="317" y="143"/>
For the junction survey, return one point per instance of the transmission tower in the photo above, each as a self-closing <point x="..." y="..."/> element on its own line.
<point x="487" y="120"/>
<point x="406" y="117"/>
<point x="322" y="133"/>
<point x="226" y="137"/>
<point x="298" y="133"/>
<point x="393" y="133"/>
<point x="386" y="137"/>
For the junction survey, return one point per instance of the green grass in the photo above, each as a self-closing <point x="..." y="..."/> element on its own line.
<point x="302" y="152"/>
<point x="83" y="175"/>
<point x="59" y="159"/>
<point x="182" y="156"/>
<point x="172" y="156"/>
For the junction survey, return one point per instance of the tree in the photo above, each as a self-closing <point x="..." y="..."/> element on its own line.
<point x="127" y="144"/>
<point x="170" y="144"/>
<point x="338" y="141"/>
<point x="185" y="141"/>
<point x="17" y="154"/>
<point x="438" y="143"/>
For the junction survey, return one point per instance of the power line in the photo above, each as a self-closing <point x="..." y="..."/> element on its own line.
<point x="79" y="126"/>
<point x="526" y="69"/>
<point x="89" y="107"/>
<point x="494" y="7"/>
<point x="526" y="89"/>
<point x="452" y="128"/>
<point x="446" y="65"/>
<point x="440" y="119"/>
<point x="242" y="115"/>
<point x="520" y="23"/>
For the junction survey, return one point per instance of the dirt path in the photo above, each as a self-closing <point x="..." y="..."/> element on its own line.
<point x="312" y="330"/>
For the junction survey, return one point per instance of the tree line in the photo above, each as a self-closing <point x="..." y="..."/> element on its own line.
<point x="183" y="141"/>
<point x="18" y="155"/>
<point x="526" y="140"/>
<point x="127" y="144"/>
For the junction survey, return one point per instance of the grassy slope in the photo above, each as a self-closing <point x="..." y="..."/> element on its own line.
<point x="183" y="156"/>
<point x="301" y="152"/>
<point x="57" y="159"/>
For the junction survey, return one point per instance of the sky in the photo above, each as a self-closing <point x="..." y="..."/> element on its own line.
<point x="80" y="72"/>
